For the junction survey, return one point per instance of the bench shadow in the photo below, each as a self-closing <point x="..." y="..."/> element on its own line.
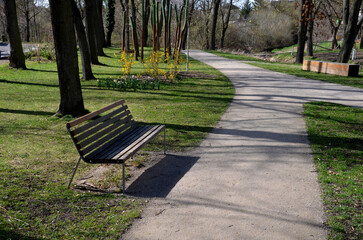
<point x="158" y="180"/>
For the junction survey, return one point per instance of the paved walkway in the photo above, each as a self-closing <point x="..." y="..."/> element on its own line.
<point x="253" y="176"/>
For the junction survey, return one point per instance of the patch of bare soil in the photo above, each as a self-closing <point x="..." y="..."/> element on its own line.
<point x="332" y="57"/>
<point x="107" y="178"/>
<point x="197" y="75"/>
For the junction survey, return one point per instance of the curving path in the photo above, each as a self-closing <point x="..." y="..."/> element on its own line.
<point x="253" y="176"/>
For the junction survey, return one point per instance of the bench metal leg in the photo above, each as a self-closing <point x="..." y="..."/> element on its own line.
<point x="164" y="140"/>
<point x="74" y="172"/>
<point x="123" y="177"/>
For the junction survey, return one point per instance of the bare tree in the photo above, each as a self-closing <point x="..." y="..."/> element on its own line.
<point x="2" y="19"/>
<point x="331" y="9"/>
<point x="214" y="19"/>
<point x="110" y="21"/>
<point x="24" y="8"/>
<point x="225" y="21"/>
<point x="305" y="7"/>
<point x="145" y="29"/>
<point x="71" y="101"/>
<point x="28" y="12"/>
<point x="134" y="29"/>
<point x="351" y="28"/>
<point x="100" y="31"/>
<point x="313" y="14"/>
<point x="189" y="19"/>
<point x="17" y="58"/>
<point x="126" y="25"/>
<point x="91" y="12"/>
<point x="83" y="44"/>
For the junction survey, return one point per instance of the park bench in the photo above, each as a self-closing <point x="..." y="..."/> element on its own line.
<point x="112" y="138"/>
<point x="342" y="69"/>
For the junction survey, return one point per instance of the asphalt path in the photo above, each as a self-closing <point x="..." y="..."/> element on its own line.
<point x="253" y="176"/>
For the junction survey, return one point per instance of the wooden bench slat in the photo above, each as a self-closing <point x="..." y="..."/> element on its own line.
<point x="107" y="138"/>
<point x="132" y="151"/>
<point x="104" y="132"/>
<point x="111" y="144"/>
<point x="146" y="131"/>
<point x="85" y="134"/>
<point x="98" y="120"/>
<point x="93" y="114"/>
<point x="95" y="154"/>
<point x="123" y="143"/>
<point x="135" y="146"/>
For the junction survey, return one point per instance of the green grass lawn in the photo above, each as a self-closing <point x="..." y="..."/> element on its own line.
<point x="336" y="136"/>
<point x="296" y="69"/>
<point x="37" y="154"/>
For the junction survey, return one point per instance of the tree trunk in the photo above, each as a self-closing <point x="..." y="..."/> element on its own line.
<point x="36" y="33"/>
<point x="345" y="14"/>
<point x="100" y="32"/>
<point x="83" y="44"/>
<point x="310" y="29"/>
<point x="134" y="38"/>
<point x="225" y="25"/>
<point x="334" y="42"/>
<point x="165" y="14"/>
<point x="214" y="17"/>
<point x="127" y="25"/>
<point x="71" y="101"/>
<point x="351" y="30"/>
<point x="123" y="31"/>
<point x="207" y="34"/>
<point x="160" y="26"/>
<point x="90" y="11"/>
<point x="190" y="14"/>
<point x="301" y="33"/>
<point x="27" y="19"/>
<point x="184" y="30"/>
<point x="361" y="33"/>
<point x="110" y="21"/>
<point x="142" y="30"/>
<point x="17" y="58"/>
<point x="147" y="19"/>
<point x="134" y="29"/>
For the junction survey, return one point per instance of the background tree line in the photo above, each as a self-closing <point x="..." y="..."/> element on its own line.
<point x="95" y="24"/>
<point x="235" y="24"/>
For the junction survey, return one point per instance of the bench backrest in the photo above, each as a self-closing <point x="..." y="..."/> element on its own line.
<point x="89" y="136"/>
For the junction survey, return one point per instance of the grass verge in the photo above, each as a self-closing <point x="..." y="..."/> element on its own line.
<point x="336" y="136"/>
<point x="37" y="154"/>
<point x="296" y="70"/>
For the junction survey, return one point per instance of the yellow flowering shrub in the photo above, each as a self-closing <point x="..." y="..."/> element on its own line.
<point x="126" y="61"/>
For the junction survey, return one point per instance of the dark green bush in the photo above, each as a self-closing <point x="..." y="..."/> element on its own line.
<point x="128" y="83"/>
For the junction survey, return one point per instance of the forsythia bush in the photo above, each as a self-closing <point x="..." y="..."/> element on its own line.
<point x="126" y="61"/>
